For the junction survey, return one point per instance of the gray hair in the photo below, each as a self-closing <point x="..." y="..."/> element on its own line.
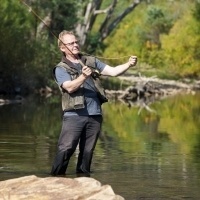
<point x="60" y="37"/>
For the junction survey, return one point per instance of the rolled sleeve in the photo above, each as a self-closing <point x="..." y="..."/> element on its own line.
<point x="61" y="75"/>
<point x="100" y="65"/>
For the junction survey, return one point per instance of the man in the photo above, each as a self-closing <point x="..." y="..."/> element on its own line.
<point x="82" y="96"/>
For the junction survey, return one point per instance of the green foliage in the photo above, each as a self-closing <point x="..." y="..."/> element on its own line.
<point x="15" y="45"/>
<point x="27" y="58"/>
<point x="196" y="11"/>
<point x="93" y="43"/>
<point x="156" y="23"/>
<point x="63" y="14"/>
<point x="149" y="32"/>
<point x="182" y="45"/>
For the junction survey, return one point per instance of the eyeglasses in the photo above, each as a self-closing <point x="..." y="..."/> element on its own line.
<point x="72" y="43"/>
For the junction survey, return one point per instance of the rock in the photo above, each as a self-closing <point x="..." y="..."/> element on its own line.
<point x="55" y="188"/>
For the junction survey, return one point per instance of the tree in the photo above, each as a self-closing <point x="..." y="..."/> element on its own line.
<point x="61" y="15"/>
<point x="181" y="46"/>
<point x="15" y="45"/>
<point x="157" y="22"/>
<point x="92" y="9"/>
<point x="57" y="15"/>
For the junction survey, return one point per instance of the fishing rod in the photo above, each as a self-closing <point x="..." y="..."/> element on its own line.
<point x="38" y="17"/>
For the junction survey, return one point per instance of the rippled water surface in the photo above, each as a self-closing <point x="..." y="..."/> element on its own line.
<point x="145" y="156"/>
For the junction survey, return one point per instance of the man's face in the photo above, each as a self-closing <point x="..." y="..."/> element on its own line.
<point x="71" y="46"/>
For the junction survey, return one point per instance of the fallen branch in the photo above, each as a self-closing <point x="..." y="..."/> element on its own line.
<point x="145" y="90"/>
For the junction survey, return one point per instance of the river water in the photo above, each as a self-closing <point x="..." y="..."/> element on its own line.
<point x="141" y="154"/>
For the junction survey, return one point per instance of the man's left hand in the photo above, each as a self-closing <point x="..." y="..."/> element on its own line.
<point x="132" y="61"/>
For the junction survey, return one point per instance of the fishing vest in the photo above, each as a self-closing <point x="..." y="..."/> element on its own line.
<point x="75" y="100"/>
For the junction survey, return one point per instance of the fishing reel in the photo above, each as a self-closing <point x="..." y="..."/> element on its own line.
<point x="95" y="74"/>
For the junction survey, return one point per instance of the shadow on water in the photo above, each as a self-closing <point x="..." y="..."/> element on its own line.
<point x="143" y="155"/>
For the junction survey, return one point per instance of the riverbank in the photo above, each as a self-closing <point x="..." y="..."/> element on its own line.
<point x="138" y="87"/>
<point x="144" y="87"/>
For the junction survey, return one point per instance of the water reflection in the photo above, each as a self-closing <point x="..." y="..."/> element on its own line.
<point x="145" y="156"/>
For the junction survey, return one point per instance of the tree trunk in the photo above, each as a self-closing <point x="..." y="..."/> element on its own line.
<point x="90" y="12"/>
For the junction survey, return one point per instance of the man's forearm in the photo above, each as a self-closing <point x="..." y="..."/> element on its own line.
<point x="120" y="69"/>
<point x="72" y="86"/>
<point x="115" y="71"/>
